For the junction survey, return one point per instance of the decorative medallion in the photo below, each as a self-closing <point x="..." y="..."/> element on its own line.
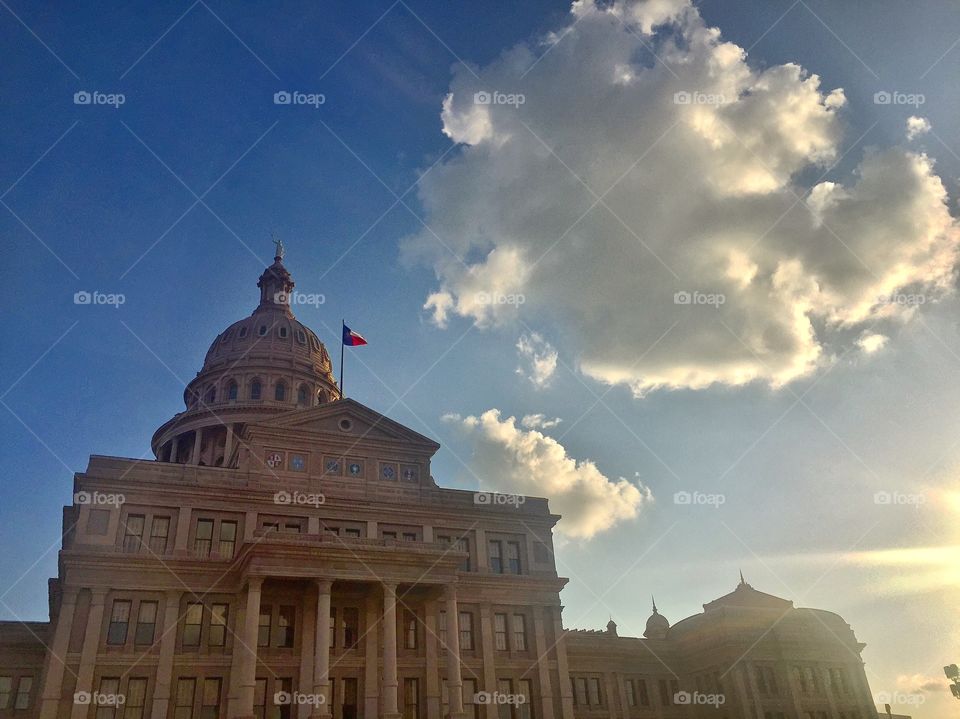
<point x="298" y="463"/>
<point x="274" y="460"/>
<point x="410" y="474"/>
<point x="333" y="466"/>
<point x="388" y="472"/>
<point x="355" y="468"/>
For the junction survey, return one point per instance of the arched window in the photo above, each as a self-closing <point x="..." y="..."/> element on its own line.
<point x="232" y="390"/>
<point x="301" y="337"/>
<point x="262" y="331"/>
<point x="211" y="395"/>
<point x="255" y="389"/>
<point x="303" y="395"/>
<point x="282" y="332"/>
<point x="242" y="333"/>
<point x="280" y="392"/>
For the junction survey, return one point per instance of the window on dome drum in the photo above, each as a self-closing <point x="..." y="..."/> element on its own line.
<point x="211" y="395"/>
<point x="303" y="395"/>
<point x="119" y="622"/>
<point x="255" y="389"/>
<point x="301" y="337"/>
<point x="280" y="392"/>
<point x="242" y="333"/>
<point x="228" y="334"/>
<point x="282" y="331"/>
<point x="232" y="391"/>
<point x="262" y="330"/>
<point x="146" y="623"/>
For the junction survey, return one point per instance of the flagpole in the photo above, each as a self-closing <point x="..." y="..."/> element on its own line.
<point x="343" y="323"/>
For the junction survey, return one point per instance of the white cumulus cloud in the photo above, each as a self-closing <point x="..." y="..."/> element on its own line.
<point x="510" y="459"/>
<point x="539" y="359"/>
<point x="917" y="126"/>
<point x="539" y="421"/>
<point x="623" y="182"/>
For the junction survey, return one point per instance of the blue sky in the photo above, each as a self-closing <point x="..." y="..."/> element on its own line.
<point x="171" y="198"/>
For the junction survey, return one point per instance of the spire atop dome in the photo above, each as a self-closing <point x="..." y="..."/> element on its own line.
<point x="657" y="624"/>
<point x="742" y="580"/>
<point x="654" y="601"/>
<point x="276" y="284"/>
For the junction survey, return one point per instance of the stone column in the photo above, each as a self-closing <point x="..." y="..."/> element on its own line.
<point x="454" y="680"/>
<point x="168" y="644"/>
<point x="390" y="683"/>
<point x="751" y="669"/>
<point x="563" y="671"/>
<point x="246" y="646"/>
<point x="371" y="656"/>
<point x="182" y="537"/>
<point x="543" y="662"/>
<point x="56" y="660"/>
<point x="737" y="674"/>
<point x="197" y="443"/>
<point x="174" y="447"/>
<point x="228" y="445"/>
<point x="88" y="656"/>
<point x="491" y="711"/>
<point x="794" y="691"/>
<point x="321" y="649"/>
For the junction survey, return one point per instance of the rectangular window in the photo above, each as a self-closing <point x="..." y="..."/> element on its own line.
<point x="465" y="620"/>
<point x="133" y="533"/>
<point x="409" y="629"/>
<point x="186" y="689"/>
<point x="505" y="689"/>
<point x="263" y="630"/>
<point x="218" y="625"/>
<point x="500" y="632"/>
<point x="409" y="536"/>
<point x="285" y="626"/>
<point x="159" y="533"/>
<point x="525" y="707"/>
<point x="595" y="696"/>
<point x="665" y="698"/>
<point x="260" y="699"/>
<point x="352" y="532"/>
<point x="581" y="693"/>
<point x="643" y="692"/>
<point x="469" y="699"/>
<point x="349" y="698"/>
<point x="519" y="633"/>
<point x="210" y="704"/>
<point x="351" y="627"/>
<point x="119" y="622"/>
<point x="674" y="689"/>
<point x="192" y="623"/>
<point x="282" y="711"/>
<point x="291" y="527"/>
<point x="463" y="545"/>
<point x="513" y="557"/>
<point x="333" y="628"/>
<point x="136" y="698"/>
<point x="109" y="690"/>
<point x="146" y="623"/>
<point x="411" y="698"/>
<point x="442" y="630"/>
<point x="389" y="535"/>
<point x="6" y="691"/>
<point x="496" y="556"/>
<point x="631" y="693"/>
<point x="204" y="538"/>
<point x="228" y="539"/>
<point x="23" y="693"/>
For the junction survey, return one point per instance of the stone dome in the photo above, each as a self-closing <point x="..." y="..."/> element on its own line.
<point x="657" y="625"/>
<point x="259" y="366"/>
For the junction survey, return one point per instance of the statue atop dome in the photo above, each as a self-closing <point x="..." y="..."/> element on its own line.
<point x="279" y="250"/>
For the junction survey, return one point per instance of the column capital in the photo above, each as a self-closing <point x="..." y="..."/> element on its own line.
<point x="98" y="595"/>
<point x="389" y="587"/>
<point x="254" y="583"/>
<point x="450" y="592"/>
<point x="68" y="594"/>
<point x="324" y="585"/>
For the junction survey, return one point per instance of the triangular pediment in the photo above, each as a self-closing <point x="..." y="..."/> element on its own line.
<point x="348" y="419"/>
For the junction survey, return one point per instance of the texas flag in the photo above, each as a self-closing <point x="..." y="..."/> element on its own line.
<point x="351" y="338"/>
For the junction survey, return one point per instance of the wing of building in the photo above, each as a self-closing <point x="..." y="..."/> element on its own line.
<point x="289" y="554"/>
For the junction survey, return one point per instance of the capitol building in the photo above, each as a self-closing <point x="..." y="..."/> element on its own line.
<point x="289" y="554"/>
